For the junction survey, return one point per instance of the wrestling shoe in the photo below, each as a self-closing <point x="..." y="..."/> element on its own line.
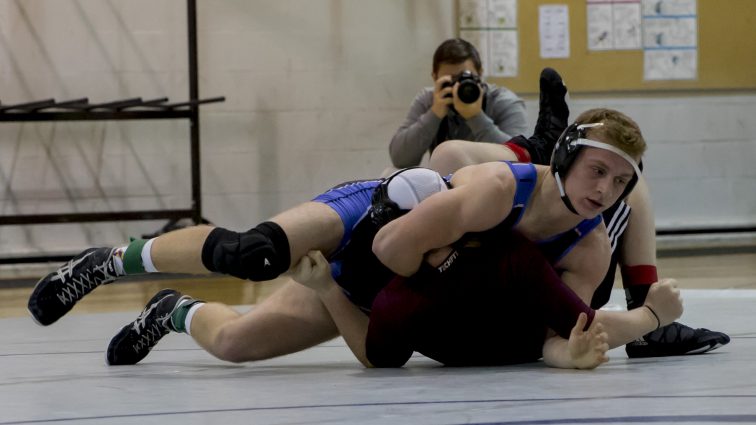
<point x="676" y="339"/>
<point x="553" y="114"/>
<point x="135" y="340"/>
<point x="57" y="293"/>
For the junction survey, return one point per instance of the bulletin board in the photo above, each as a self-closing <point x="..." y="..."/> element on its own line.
<point x="726" y="53"/>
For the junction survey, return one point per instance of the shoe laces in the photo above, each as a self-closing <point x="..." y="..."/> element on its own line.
<point x="150" y="330"/>
<point x="75" y="287"/>
<point x="67" y="269"/>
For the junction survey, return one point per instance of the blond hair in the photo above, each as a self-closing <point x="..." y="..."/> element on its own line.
<point x="618" y="130"/>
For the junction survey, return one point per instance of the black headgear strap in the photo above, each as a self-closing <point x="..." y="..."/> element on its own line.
<point x="566" y="150"/>
<point x="384" y="209"/>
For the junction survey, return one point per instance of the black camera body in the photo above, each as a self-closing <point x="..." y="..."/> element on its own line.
<point x="469" y="86"/>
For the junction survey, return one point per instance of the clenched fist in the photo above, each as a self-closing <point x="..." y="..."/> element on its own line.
<point x="664" y="299"/>
<point x="314" y="272"/>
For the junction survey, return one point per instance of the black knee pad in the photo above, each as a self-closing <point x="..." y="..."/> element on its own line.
<point x="259" y="254"/>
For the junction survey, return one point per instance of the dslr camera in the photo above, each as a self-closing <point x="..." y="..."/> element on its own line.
<point x="469" y="86"/>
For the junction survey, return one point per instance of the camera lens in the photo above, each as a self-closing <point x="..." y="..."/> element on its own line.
<point x="468" y="91"/>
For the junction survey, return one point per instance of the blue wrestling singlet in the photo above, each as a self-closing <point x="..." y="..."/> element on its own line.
<point x="351" y="201"/>
<point x="557" y="246"/>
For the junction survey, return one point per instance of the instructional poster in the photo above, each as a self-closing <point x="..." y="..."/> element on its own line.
<point x="614" y="24"/>
<point x="491" y="25"/>
<point x="554" y="30"/>
<point x="670" y="39"/>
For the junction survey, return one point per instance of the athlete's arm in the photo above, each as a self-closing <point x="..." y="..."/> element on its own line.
<point x="584" y="349"/>
<point x="314" y="272"/>
<point x="636" y="254"/>
<point x="663" y="306"/>
<point x="481" y="198"/>
<point x="584" y="267"/>
<point x="638" y="243"/>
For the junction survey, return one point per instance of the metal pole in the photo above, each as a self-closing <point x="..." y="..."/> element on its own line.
<point x="191" y="11"/>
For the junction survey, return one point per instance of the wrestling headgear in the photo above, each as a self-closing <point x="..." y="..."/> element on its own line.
<point x="402" y="191"/>
<point x="568" y="147"/>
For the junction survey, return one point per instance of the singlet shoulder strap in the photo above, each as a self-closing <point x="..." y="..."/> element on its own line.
<point x="556" y="248"/>
<point x="526" y="177"/>
<point x="586" y="226"/>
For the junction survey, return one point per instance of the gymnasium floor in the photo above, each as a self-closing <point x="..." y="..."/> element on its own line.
<point x="58" y="374"/>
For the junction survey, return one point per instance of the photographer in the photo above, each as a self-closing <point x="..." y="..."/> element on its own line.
<point x="438" y="113"/>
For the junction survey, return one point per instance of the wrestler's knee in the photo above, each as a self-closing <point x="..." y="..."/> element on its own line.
<point x="259" y="254"/>
<point x="451" y="151"/>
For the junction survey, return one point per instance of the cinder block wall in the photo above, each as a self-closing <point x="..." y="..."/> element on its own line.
<point x="315" y="89"/>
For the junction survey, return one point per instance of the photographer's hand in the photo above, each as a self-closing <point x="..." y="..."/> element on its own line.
<point x="442" y="96"/>
<point x="467" y="110"/>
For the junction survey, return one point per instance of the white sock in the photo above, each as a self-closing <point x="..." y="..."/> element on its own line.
<point x="188" y="321"/>
<point x="147" y="257"/>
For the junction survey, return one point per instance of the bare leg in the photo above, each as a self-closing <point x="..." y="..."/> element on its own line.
<point x="309" y="226"/>
<point x="290" y="320"/>
<point x="180" y="251"/>
<point x="452" y="155"/>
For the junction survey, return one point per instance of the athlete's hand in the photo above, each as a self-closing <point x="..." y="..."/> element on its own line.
<point x="442" y="96"/>
<point x="664" y="299"/>
<point x="314" y="272"/>
<point x="588" y="349"/>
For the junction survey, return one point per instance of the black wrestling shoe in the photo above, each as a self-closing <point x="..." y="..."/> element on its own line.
<point x="553" y="114"/>
<point x="676" y="339"/>
<point x="55" y="294"/>
<point x="135" y="340"/>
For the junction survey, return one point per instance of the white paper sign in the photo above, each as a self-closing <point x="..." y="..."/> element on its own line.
<point x="503" y="61"/>
<point x="614" y="25"/>
<point x="627" y="26"/>
<point x="503" y="14"/>
<point x="670" y="32"/>
<point x="600" y="31"/>
<point x="473" y="14"/>
<point x="554" y="30"/>
<point x="670" y="64"/>
<point x="669" y="7"/>
<point x="491" y="26"/>
<point x="670" y="40"/>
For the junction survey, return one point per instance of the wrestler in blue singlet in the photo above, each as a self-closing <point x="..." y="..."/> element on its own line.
<point x="362" y="276"/>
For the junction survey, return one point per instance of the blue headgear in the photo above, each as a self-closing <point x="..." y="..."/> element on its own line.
<point x="566" y="150"/>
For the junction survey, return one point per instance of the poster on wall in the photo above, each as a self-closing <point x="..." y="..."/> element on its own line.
<point x="613" y="24"/>
<point x="670" y="40"/>
<point x="554" y="30"/>
<point x="491" y="25"/>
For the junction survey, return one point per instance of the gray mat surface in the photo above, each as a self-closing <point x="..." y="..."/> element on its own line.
<point x="58" y="375"/>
